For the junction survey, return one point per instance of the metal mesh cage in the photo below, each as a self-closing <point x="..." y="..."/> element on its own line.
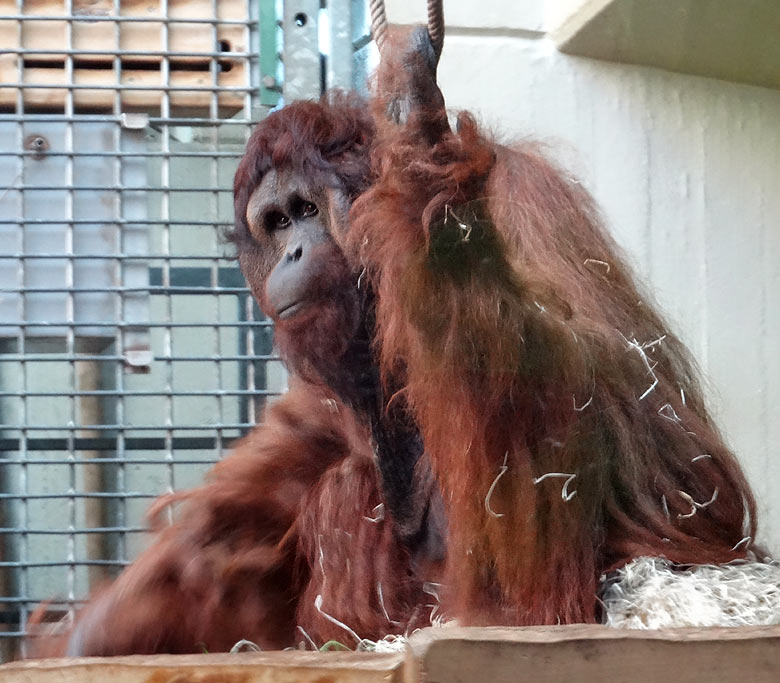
<point x="131" y="353"/>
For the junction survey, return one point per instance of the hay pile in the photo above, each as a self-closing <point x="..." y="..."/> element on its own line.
<point x="649" y="593"/>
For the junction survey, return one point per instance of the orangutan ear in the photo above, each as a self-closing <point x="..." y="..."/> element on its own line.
<point x="337" y="208"/>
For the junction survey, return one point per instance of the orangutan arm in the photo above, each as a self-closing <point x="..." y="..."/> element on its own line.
<point x="228" y="567"/>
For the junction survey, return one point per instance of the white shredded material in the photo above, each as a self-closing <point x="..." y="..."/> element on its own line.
<point x="650" y="594"/>
<point x="584" y="405"/>
<point x="333" y="620"/>
<point x="565" y="490"/>
<point x="245" y="645"/>
<point x="597" y="262"/>
<point x="501" y="472"/>
<point x="640" y="349"/>
<point x="308" y="638"/>
<point x="695" y="507"/>
<point x="389" y="643"/>
<point x="379" y="514"/>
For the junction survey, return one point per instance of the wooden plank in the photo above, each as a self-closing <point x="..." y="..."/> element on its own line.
<point x="581" y="654"/>
<point x="594" y="654"/>
<point x="267" y="667"/>
<point x="54" y="97"/>
<point x="9" y="30"/>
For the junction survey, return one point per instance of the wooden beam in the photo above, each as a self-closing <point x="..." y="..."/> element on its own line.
<point x="595" y="654"/>
<point x="542" y="654"/>
<point x="270" y="667"/>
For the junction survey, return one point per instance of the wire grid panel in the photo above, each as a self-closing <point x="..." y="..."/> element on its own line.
<point x="131" y="353"/>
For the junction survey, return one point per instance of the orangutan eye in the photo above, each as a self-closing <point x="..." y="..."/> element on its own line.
<point x="308" y="209"/>
<point x="276" y="220"/>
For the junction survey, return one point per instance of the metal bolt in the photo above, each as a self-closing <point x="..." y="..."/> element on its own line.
<point x="37" y="144"/>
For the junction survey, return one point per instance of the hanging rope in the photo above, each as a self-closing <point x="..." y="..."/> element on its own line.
<point x="435" y="24"/>
<point x="378" y="23"/>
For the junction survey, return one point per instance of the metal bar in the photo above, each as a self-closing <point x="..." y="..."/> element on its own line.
<point x="209" y="444"/>
<point x="116" y="188"/>
<point x="124" y="155"/>
<point x="68" y="495"/>
<point x="128" y="393"/>
<point x="133" y="428"/>
<point x="143" y="325"/>
<point x="202" y="443"/>
<point x="153" y="120"/>
<point x="79" y="532"/>
<point x="165" y="214"/>
<point x="302" y="61"/>
<point x="70" y="308"/>
<point x="11" y="600"/>
<point x="214" y="271"/>
<point x="119" y="341"/>
<point x="66" y="563"/>
<point x="157" y="19"/>
<point x="120" y="221"/>
<point x="152" y="289"/>
<point x="269" y="53"/>
<point x="231" y="274"/>
<point x="164" y="88"/>
<point x="13" y="634"/>
<point x="126" y="53"/>
<point x="339" y="67"/>
<point x="58" y="358"/>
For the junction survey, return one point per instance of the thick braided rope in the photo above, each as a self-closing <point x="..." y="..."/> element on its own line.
<point x="378" y="22"/>
<point x="435" y="23"/>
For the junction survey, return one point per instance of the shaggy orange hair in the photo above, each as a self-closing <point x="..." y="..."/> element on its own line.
<point x="563" y="419"/>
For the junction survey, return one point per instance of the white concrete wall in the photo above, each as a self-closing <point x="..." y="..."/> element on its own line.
<point x="687" y="171"/>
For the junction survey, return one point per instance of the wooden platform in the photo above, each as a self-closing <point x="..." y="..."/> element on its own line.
<point x="93" y="35"/>
<point x="272" y="667"/>
<point x="570" y="654"/>
<point x="595" y="654"/>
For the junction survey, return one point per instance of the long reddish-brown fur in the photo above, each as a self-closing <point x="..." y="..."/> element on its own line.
<point x="523" y="348"/>
<point x="528" y="350"/>
<point x="283" y="533"/>
<point x="286" y="532"/>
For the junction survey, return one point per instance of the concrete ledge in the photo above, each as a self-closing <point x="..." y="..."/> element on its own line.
<point x="735" y="41"/>
<point x="497" y="15"/>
